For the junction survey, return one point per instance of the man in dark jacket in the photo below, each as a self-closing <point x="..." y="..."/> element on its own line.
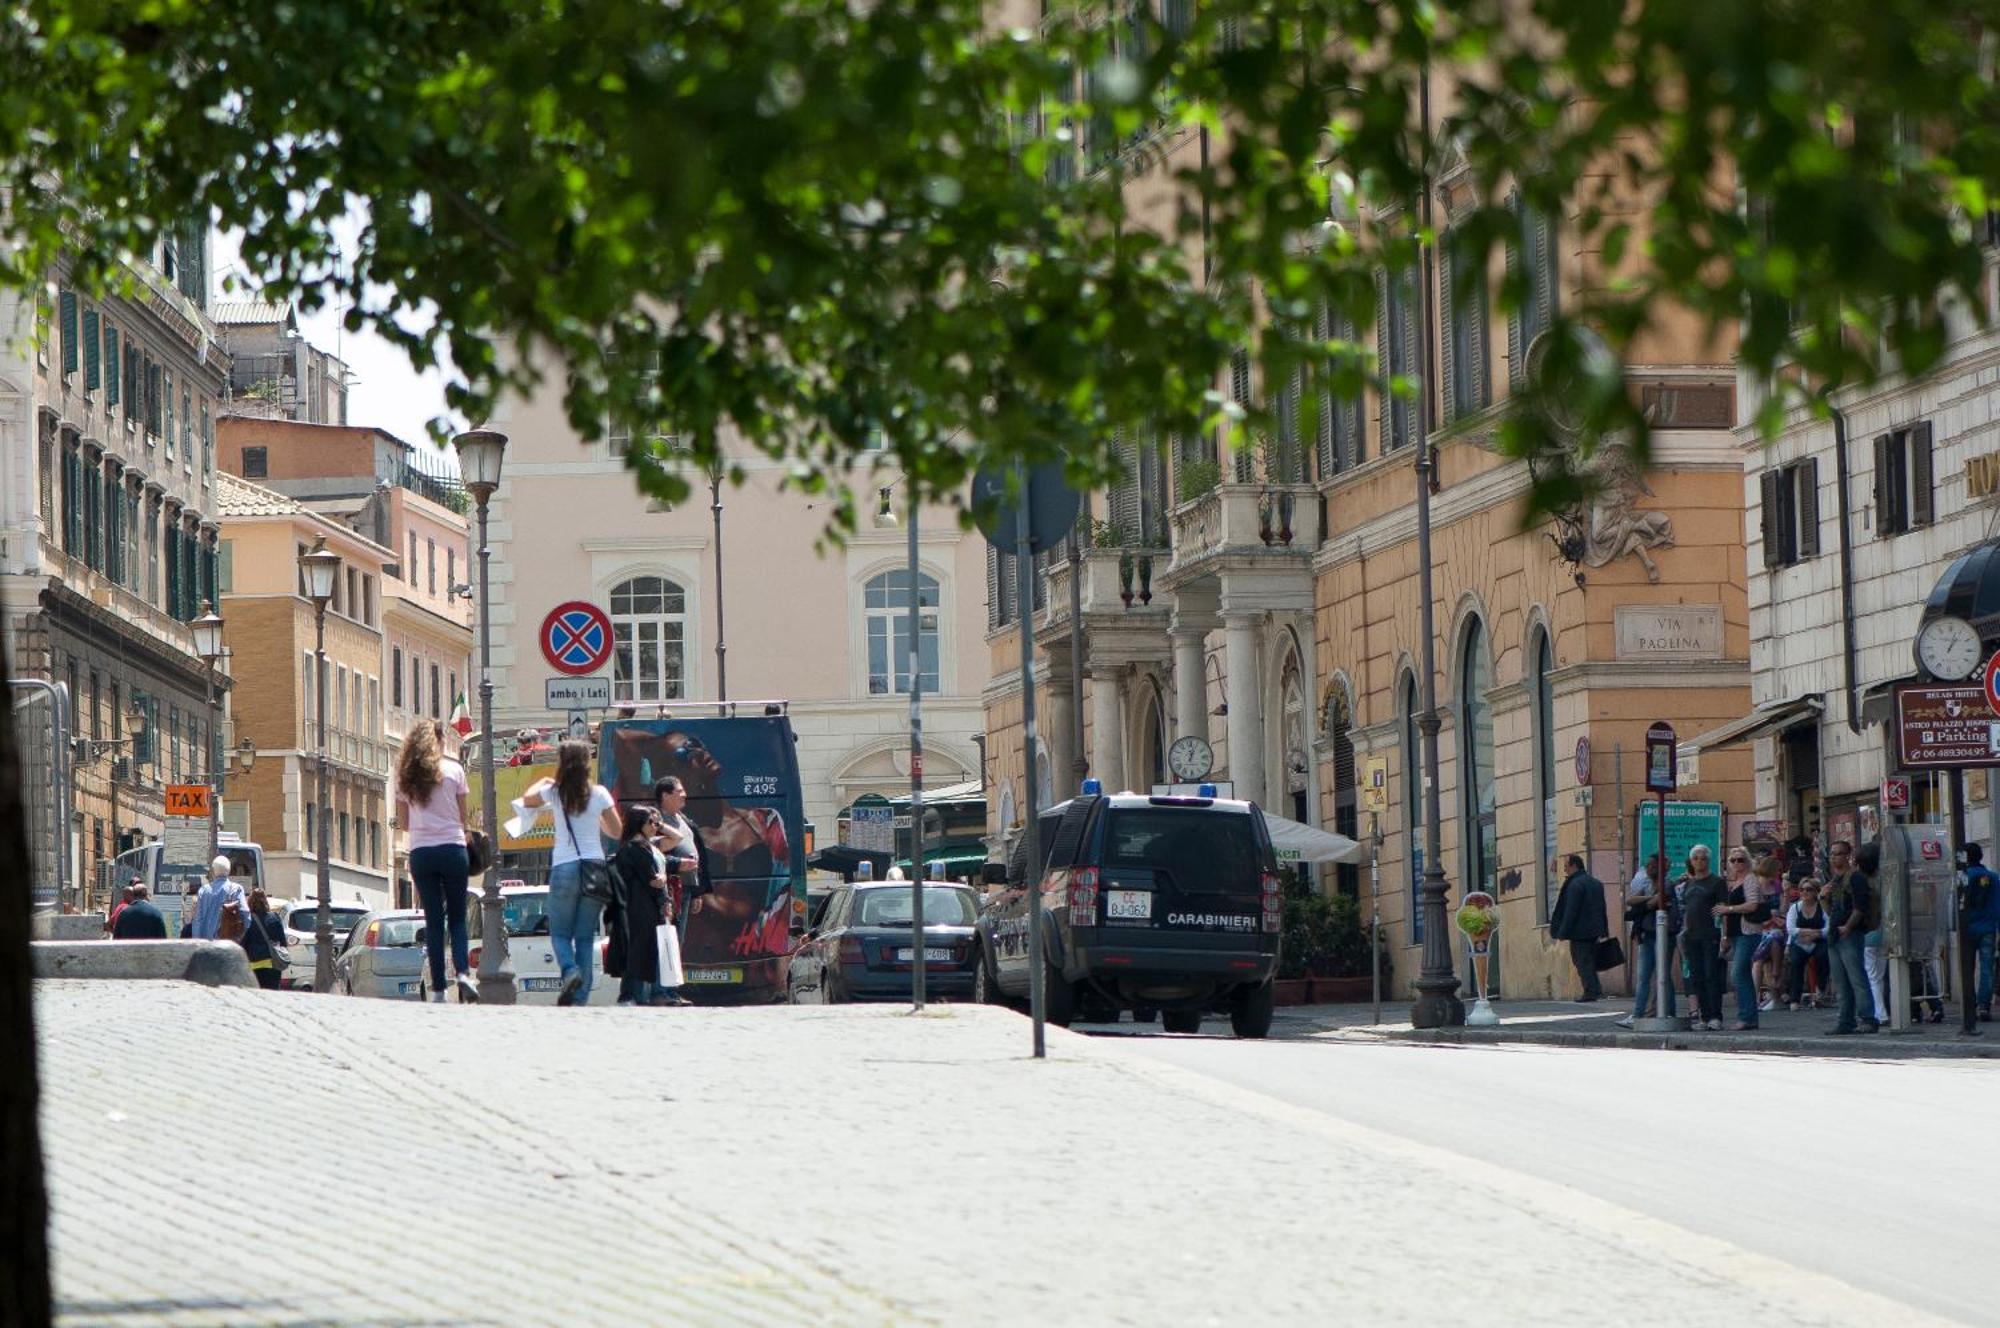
<point x="1982" y="919"/>
<point x="1579" y="919"/>
<point x="1849" y="903"/>
<point x="139" y="920"/>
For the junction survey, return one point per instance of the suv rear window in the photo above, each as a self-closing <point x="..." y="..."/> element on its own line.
<point x="1221" y="845"/>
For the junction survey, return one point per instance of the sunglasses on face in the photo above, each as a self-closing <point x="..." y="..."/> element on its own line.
<point x="689" y="748"/>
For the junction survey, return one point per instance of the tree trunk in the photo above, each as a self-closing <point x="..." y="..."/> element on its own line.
<point x="24" y="1247"/>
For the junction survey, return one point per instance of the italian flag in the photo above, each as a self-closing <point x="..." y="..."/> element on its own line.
<point x="461" y="718"/>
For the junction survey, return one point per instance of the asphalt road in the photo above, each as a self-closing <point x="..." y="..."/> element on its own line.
<point x="1883" y="1175"/>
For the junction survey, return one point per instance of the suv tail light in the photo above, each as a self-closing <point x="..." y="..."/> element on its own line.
<point x="1274" y="906"/>
<point x="1083" y="894"/>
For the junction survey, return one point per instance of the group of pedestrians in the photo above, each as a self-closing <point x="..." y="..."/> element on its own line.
<point x="1778" y="941"/>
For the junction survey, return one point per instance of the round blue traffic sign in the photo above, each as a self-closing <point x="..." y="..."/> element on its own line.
<point x="576" y="638"/>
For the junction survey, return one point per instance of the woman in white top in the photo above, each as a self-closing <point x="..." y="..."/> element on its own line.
<point x="430" y="806"/>
<point x="585" y="814"/>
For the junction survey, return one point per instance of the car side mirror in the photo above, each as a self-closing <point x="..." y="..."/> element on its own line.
<point x="993" y="873"/>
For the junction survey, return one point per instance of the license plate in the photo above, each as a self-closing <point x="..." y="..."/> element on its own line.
<point x="1128" y="904"/>
<point x="541" y="984"/>
<point x="713" y="975"/>
<point x="931" y="956"/>
<point x="406" y="988"/>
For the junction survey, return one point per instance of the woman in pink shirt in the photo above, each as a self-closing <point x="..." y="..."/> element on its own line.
<point x="430" y="806"/>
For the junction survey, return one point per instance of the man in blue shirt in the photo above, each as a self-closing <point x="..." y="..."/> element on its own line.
<point x="1982" y="919"/>
<point x="220" y="892"/>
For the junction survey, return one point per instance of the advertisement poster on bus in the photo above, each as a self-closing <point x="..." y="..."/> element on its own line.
<point x="742" y="779"/>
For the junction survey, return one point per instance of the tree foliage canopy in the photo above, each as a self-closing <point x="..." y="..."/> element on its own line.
<point x="822" y="218"/>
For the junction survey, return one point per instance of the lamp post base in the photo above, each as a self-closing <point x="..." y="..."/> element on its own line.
<point x="496" y="979"/>
<point x="1438" y="1008"/>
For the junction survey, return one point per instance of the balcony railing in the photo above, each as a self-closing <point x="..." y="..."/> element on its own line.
<point x="1247" y="518"/>
<point x="444" y="491"/>
<point x="1113" y="581"/>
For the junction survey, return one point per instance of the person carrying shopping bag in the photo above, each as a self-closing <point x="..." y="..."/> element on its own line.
<point x="642" y="871"/>
<point x="579" y="875"/>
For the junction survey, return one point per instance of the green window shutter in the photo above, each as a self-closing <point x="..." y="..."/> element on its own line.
<point x="114" y="368"/>
<point x="66" y="316"/>
<point x="225" y="582"/>
<point x="93" y="353"/>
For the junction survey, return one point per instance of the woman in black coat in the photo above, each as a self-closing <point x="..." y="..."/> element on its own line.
<point x="642" y="874"/>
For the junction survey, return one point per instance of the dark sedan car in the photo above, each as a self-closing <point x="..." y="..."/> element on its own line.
<point x="861" y="950"/>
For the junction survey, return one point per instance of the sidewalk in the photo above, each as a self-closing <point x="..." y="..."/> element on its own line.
<point x="229" y="1157"/>
<point x="1569" y="1024"/>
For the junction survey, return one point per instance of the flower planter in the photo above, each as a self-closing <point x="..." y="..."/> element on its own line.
<point x="1339" y="991"/>
<point x="1292" y="991"/>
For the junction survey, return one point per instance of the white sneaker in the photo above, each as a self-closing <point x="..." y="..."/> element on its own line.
<point x="1715" y="1025"/>
<point x="1624" y="1021"/>
<point x="1769" y="1003"/>
<point x="437" y="998"/>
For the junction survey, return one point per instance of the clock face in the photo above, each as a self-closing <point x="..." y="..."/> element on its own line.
<point x="1190" y="758"/>
<point x="1949" y="649"/>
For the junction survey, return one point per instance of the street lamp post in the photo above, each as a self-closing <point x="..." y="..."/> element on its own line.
<point x="208" y="644"/>
<point x="721" y="644"/>
<point x="480" y="454"/>
<point x="1437" y="1004"/>
<point x="321" y="567"/>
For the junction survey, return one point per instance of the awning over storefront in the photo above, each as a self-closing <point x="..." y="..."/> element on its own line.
<point x="966" y="792"/>
<point x="1304" y="843"/>
<point x="1771" y="717"/>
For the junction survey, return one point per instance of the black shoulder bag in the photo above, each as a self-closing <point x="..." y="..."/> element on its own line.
<point x="594" y="873"/>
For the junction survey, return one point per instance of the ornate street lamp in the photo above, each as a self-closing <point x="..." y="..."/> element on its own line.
<point x="480" y="454"/>
<point x="321" y="568"/>
<point x="207" y="631"/>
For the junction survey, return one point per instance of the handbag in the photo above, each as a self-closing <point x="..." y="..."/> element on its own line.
<point x="478" y="852"/>
<point x="1610" y="954"/>
<point x="669" y="942"/>
<point x="281" y="958"/>
<point x="594" y="874"/>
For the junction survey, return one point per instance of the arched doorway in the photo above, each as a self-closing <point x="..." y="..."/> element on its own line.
<point x="1339" y="726"/>
<point x="1292" y="730"/>
<point x="1153" y="735"/>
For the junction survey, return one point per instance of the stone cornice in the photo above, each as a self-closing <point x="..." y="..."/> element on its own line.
<point x="1461" y="500"/>
<point x="1650" y="673"/>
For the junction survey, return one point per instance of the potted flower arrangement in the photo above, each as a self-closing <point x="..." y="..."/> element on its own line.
<point x="1323" y="955"/>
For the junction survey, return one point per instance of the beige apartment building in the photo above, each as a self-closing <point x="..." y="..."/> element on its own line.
<point x="821" y="628"/>
<point x="269" y="630"/>
<point x="107" y="550"/>
<point x="1267" y="601"/>
<point x="370" y="481"/>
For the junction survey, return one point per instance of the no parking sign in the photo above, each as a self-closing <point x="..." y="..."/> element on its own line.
<point x="576" y="638"/>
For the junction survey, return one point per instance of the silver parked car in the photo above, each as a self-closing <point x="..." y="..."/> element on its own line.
<point x="301" y="919"/>
<point x="384" y="956"/>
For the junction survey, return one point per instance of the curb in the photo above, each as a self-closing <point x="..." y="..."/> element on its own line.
<point x="1879" y="1046"/>
<point x="210" y="963"/>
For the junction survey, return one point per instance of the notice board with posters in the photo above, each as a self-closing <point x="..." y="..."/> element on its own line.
<point x="1688" y="824"/>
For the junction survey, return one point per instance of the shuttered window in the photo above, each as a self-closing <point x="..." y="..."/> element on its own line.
<point x="1285" y="462"/>
<point x="1789" y="513"/>
<point x="1464" y="345"/>
<point x="93" y="353"/>
<point x="1904" y="483"/>
<point x="1396" y="355"/>
<point x="1337" y="430"/>
<point x="1531" y="263"/>
<point x="114" y="367"/>
<point x="66" y="321"/>
<point x="1240" y="393"/>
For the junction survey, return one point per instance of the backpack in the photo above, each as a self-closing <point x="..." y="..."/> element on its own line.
<point x="230" y="927"/>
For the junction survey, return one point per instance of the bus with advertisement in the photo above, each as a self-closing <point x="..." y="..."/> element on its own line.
<point x="741" y="770"/>
<point x="173" y="884"/>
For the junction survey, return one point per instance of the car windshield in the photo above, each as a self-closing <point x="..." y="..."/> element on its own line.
<point x="307" y="919"/>
<point x="944" y="906"/>
<point x="398" y="931"/>
<point x="526" y="915"/>
<point x="1171" y="839"/>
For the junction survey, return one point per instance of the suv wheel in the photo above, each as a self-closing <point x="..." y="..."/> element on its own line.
<point x="1181" y="1021"/>
<point x="985" y="991"/>
<point x="1058" y="997"/>
<point x="1250" y="1012"/>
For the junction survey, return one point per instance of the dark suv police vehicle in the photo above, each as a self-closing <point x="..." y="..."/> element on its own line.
<point x="1163" y="903"/>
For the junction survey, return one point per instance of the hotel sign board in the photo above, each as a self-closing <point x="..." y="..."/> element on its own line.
<point x="1939" y="727"/>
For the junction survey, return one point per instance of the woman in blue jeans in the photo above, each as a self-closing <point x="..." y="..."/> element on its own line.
<point x="430" y="806"/>
<point x="585" y="816"/>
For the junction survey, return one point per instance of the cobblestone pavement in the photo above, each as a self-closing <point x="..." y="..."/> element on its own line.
<point x="230" y="1157"/>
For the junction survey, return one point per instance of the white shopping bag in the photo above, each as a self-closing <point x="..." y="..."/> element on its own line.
<point x="670" y="955"/>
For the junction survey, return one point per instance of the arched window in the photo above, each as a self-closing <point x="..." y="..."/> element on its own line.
<point x="1346" y="811"/>
<point x="1292" y="700"/>
<point x="1413" y="797"/>
<point x="1481" y="838"/>
<point x="887" y="609"/>
<point x="1542" y="695"/>
<point x="648" y="640"/>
